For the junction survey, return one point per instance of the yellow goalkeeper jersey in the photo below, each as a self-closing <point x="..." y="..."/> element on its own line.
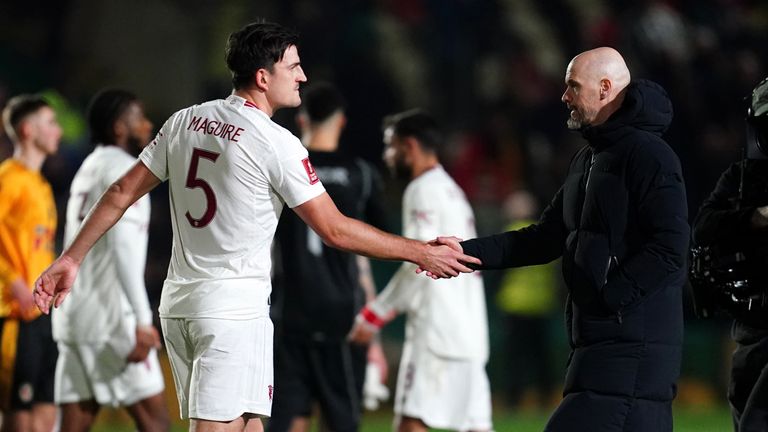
<point x="27" y="231"/>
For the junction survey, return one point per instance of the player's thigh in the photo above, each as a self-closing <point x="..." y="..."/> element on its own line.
<point x="71" y="384"/>
<point x="232" y="368"/>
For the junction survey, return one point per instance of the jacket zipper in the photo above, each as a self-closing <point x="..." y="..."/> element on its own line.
<point x="612" y="260"/>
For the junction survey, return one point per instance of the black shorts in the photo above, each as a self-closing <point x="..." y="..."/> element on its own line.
<point x="27" y="363"/>
<point x="330" y="374"/>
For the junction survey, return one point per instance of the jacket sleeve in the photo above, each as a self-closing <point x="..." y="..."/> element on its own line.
<point x="718" y="219"/>
<point x="656" y="185"/>
<point x="539" y="243"/>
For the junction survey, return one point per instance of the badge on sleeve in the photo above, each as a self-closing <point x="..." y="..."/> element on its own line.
<point x="310" y="171"/>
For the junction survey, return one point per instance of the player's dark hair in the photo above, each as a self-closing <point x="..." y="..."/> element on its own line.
<point x="18" y="108"/>
<point x="258" y="45"/>
<point x="417" y="124"/>
<point x="320" y="101"/>
<point x="103" y="111"/>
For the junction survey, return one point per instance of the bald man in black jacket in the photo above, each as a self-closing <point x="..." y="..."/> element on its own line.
<point x="620" y="223"/>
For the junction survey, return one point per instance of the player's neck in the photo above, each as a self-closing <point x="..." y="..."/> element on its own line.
<point x="322" y="139"/>
<point x="257" y="98"/>
<point x="422" y="165"/>
<point x="29" y="156"/>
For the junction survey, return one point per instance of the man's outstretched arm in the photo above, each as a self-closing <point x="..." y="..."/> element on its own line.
<point x="345" y="233"/>
<point x="54" y="284"/>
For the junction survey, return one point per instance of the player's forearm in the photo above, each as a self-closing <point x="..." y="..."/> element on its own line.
<point x="358" y="237"/>
<point x="104" y="214"/>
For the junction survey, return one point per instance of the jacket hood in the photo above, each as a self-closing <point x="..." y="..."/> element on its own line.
<point x="646" y="107"/>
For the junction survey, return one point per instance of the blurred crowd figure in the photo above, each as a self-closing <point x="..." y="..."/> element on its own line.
<point x="27" y="246"/>
<point x="529" y="299"/>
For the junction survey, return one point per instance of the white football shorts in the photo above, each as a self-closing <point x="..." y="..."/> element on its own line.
<point x="222" y="368"/>
<point x="101" y="372"/>
<point x="444" y="393"/>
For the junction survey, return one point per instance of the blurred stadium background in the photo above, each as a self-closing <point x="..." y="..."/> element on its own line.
<point x="491" y="71"/>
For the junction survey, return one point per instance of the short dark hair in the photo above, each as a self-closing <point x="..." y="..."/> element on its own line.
<point x="258" y="45"/>
<point x="103" y="111"/>
<point x="417" y="124"/>
<point x="320" y="101"/>
<point x="18" y="108"/>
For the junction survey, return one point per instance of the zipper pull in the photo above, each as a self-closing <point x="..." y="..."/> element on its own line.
<point x="618" y="317"/>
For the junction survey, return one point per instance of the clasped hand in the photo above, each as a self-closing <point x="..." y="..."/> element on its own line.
<point x="453" y="243"/>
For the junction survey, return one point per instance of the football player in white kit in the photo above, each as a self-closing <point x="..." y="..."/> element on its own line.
<point x="441" y="381"/>
<point x="230" y="170"/>
<point x="107" y="343"/>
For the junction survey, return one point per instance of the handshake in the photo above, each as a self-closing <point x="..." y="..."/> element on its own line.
<point x="441" y="262"/>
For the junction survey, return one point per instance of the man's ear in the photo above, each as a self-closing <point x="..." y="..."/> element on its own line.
<point x="261" y="79"/>
<point x="342" y="119"/>
<point x="411" y="145"/>
<point x="605" y="88"/>
<point x="119" y="129"/>
<point x="24" y="130"/>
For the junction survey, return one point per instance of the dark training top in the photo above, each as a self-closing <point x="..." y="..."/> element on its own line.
<point x="317" y="293"/>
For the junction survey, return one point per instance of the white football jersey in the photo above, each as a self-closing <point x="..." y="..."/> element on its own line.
<point x="449" y="314"/>
<point x="109" y="297"/>
<point x="229" y="168"/>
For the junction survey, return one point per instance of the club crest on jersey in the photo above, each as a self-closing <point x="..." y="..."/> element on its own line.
<point x="311" y="173"/>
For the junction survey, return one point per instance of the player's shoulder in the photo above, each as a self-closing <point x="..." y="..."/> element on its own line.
<point x="12" y="172"/>
<point x="436" y="185"/>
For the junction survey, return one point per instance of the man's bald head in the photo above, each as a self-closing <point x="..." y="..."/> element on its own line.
<point x="595" y="81"/>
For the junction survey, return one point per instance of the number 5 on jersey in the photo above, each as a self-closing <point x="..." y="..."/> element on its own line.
<point x="194" y="182"/>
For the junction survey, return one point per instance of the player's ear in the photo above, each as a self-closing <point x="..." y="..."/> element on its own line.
<point x="343" y="120"/>
<point x="261" y="79"/>
<point x="119" y="129"/>
<point x="24" y="130"/>
<point x="411" y="144"/>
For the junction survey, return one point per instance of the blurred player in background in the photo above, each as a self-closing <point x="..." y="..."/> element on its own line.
<point x="442" y="381"/>
<point x="107" y="342"/>
<point x="230" y="170"/>
<point x="320" y="289"/>
<point x="27" y="237"/>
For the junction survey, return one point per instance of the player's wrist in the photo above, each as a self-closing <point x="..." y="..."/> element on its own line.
<point x="370" y="318"/>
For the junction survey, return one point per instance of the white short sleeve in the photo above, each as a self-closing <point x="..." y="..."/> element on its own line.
<point x="293" y="176"/>
<point x="155" y="155"/>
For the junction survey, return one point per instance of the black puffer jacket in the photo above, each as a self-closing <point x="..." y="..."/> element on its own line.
<point x="621" y="228"/>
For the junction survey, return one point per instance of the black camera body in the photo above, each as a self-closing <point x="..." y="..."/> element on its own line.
<point x="723" y="282"/>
